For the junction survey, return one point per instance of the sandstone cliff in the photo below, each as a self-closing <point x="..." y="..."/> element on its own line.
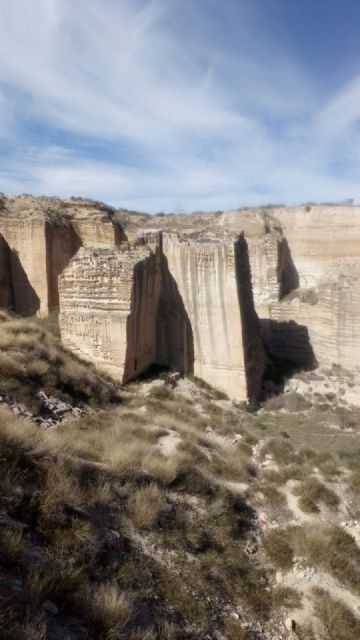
<point x="201" y="293"/>
<point x="41" y="235"/>
<point x="108" y="301"/>
<point x="215" y="286"/>
<point x="184" y="305"/>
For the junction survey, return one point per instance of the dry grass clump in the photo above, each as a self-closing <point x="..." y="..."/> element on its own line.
<point x="292" y="402"/>
<point x="277" y="544"/>
<point x="145" y="504"/>
<point x="57" y="584"/>
<point x="312" y="493"/>
<point x="32" y="358"/>
<point x="353" y="483"/>
<point x="286" y="597"/>
<point x="328" y="548"/>
<point x="14" y="629"/>
<point x="211" y="391"/>
<point x="108" y="609"/>
<point x="267" y="492"/>
<point x="282" y="452"/>
<point x="337" y="619"/>
<point x="12" y="547"/>
<point x="350" y="458"/>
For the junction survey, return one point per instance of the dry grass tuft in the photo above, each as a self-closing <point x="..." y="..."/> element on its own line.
<point x="12" y="545"/>
<point x="312" y="493"/>
<point x="33" y="358"/>
<point x="338" y="620"/>
<point x="108" y="609"/>
<point x="145" y="504"/>
<point x="277" y="544"/>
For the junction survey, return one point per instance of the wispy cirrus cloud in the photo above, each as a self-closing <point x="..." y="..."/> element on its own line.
<point x="153" y="103"/>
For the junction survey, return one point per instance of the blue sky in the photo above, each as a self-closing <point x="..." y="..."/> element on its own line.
<point x="181" y="105"/>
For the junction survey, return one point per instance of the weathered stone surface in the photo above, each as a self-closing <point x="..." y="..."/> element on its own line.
<point x="108" y="302"/>
<point x="42" y="234"/>
<point x="214" y="284"/>
<point x="191" y="302"/>
<point x="184" y="304"/>
<point x="330" y="319"/>
<point x="318" y="236"/>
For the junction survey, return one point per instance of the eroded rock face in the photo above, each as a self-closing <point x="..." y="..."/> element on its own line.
<point x="108" y="302"/>
<point x="42" y="235"/>
<point x="314" y="320"/>
<point x="199" y="293"/>
<point x="182" y="304"/>
<point x="322" y="324"/>
<point x="318" y="236"/>
<point x="215" y="286"/>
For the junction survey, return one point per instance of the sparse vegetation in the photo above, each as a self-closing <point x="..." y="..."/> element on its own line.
<point x="312" y="493"/>
<point x="159" y="518"/>
<point x="338" y="620"/>
<point x="32" y="359"/>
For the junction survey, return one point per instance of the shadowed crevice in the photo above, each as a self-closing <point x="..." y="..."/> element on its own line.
<point x="254" y="357"/>
<point x="288" y="349"/>
<point x="24" y="298"/>
<point x="288" y="276"/>
<point x="158" y="329"/>
<point x="174" y="339"/>
<point x="62" y="242"/>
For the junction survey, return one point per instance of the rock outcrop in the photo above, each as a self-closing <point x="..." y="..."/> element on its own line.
<point x="314" y="320"/>
<point x="41" y="235"/>
<point x="108" y="302"/>
<point x="203" y="293"/>
<point x="185" y="305"/>
<point x="215" y="285"/>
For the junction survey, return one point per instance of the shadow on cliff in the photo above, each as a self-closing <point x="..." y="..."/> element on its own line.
<point x="287" y="273"/>
<point x="62" y="243"/>
<point x="174" y="339"/>
<point x="23" y="298"/>
<point x="288" y="350"/>
<point x="159" y="335"/>
<point x="287" y="344"/>
<point x="254" y="360"/>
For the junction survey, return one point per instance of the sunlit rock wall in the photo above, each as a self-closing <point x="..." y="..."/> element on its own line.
<point x="210" y="279"/>
<point x="108" y="304"/>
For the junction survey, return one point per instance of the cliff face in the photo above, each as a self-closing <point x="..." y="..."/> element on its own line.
<point x="314" y="318"/>
<point x="318" y="236"/>
<point x="42" y="235"/>
<point x="108" y="301"/>
<point x="179" y="306"/>
<point x="321" y="325"/>
<point x="202" y="294"/>
<point x="215" y="286"/>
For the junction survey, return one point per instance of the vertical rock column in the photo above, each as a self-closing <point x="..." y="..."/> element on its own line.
<point x="212" y="287"/>
<point x="28" y="273"/>
<point x="6" y="288"/>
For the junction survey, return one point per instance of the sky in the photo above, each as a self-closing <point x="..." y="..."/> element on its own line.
<point x="181" y="105"/>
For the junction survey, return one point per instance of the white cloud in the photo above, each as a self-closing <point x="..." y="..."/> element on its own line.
<point x="208" y="117"/>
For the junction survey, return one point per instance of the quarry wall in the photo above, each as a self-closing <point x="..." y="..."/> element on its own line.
<point x="204" y="294"/>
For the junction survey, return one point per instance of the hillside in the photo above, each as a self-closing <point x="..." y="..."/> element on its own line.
<point x="177" y="514"/>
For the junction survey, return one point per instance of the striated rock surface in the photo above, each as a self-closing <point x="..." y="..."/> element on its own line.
<point x="318" y="236"/>
<point x="321" y="324"/>
<point x="42" y="235"/>
<point x="200" y="293"/>
<point x="215" y="286"/>
<point x="108" y="302"/>
<point x="183" y="304"/>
